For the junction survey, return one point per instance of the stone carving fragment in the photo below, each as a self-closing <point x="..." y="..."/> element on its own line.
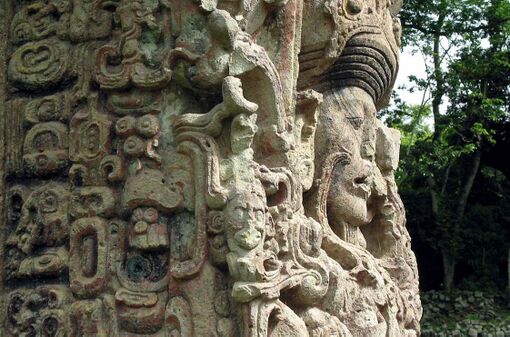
<point x="36" y="243"/>
<point x="201" y="168"/>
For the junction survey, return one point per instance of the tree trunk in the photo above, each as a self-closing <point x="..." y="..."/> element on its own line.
<point x="468" y="186"/>
<point x="449" y="260"/>
<point x="438" y="93"/>
<point x="449" y="263"/>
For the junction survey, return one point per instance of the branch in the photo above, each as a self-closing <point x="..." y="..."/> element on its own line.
<point x="446" y="176"/>
<point x="433" y="197"/>
<point x="421" y="29"/>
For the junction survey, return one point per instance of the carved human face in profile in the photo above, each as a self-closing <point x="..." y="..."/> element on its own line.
<point x="245" y="219"/>
<point x="349" y="126"/>
<point x="350" y="189"/>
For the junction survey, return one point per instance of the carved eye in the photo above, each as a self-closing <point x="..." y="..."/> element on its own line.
<point x="148" y="125"/>
<point x="125" y="126"/>
<point x="137" y="214"/>
<point x="134" y="146"/>
<point x="239" y="212"/>
<point x="353" y="7"/>
<point x="48" y="202"/>
<point x="150" y="215"/>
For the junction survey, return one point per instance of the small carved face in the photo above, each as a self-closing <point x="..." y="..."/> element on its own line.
<point x="37" y="312"/>
<point x="44" y="219"/>
<point x="243" y="131"/>
<point x="245" y="218"/>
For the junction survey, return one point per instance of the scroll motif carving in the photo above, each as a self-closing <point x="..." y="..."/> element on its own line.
<point x="203" y="168"/>
<point x="37" y="65"/>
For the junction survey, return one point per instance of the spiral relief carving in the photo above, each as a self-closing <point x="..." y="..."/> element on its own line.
<point x="38" y="65"/>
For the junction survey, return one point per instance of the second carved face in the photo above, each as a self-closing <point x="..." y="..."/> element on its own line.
<point x="245" y="219"/>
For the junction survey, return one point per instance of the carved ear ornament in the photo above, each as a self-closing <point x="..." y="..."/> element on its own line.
<point x="321" y="185"/>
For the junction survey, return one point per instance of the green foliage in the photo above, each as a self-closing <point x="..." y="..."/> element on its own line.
<point x="466" y="99"/>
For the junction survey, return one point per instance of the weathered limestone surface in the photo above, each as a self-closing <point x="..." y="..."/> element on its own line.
<point x="201" y="168"/>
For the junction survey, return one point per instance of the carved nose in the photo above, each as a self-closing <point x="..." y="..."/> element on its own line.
<point x="361" y="180"/>
<point x="365" y="179"/>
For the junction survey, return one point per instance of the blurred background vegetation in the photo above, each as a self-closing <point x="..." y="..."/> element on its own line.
<point x="454" y="175"/>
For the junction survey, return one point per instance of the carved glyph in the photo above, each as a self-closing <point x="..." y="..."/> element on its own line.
<point x="201" y="168"/>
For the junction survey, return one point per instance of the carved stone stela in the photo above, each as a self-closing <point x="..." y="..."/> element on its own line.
<point x="201" y="168"/>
